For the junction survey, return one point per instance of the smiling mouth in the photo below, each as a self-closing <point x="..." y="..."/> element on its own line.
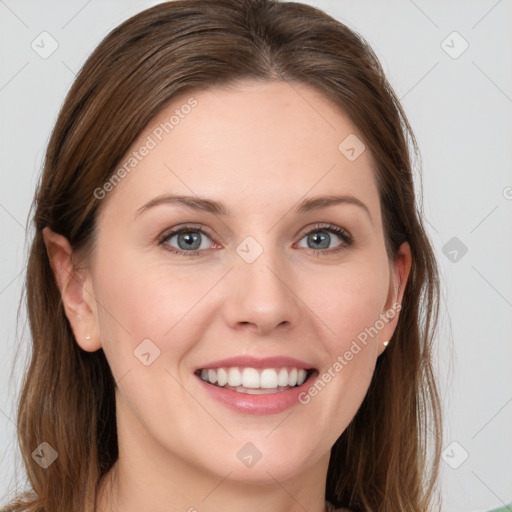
<point x="256" y="381"/>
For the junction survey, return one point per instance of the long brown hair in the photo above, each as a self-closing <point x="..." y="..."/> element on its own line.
<point x="388" y="457"/>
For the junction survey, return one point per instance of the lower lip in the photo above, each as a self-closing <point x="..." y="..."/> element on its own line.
<point x="270" y="403"/>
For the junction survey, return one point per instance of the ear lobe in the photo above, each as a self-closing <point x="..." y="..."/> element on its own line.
<point x="400" y="270"/>
<point x="71" y="282"/>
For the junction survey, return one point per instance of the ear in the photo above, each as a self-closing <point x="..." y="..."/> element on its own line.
<point x="400" y="269"/>
<point x="76" y="291"/>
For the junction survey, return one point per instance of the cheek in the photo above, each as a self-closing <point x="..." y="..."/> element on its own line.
<point x="351" y="309"/>
<point x="145" y="301"/>
<point x="349" y="304"/>
<point x="350" y="300"/>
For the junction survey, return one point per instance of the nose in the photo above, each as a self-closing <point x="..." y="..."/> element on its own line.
<point x="261" y="295"/>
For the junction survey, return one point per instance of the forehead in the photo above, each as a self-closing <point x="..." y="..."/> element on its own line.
<point x="255" y="143"/>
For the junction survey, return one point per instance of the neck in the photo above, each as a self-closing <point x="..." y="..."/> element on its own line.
<point x="122" y="490"/>
<point x="148" y="477"/>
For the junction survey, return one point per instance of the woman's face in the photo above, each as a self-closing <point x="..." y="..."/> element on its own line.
<point x="258" y="273"/>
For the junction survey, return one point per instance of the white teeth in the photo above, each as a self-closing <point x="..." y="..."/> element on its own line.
<point x="283" y="377"/>
<point x="268" y="378"/>
<point x="234" y="377"/>
<point x="253" y="379"/>
<point x="222" y="376"/>
<point x="250" y="378"/>
<point x="212" y="376"/>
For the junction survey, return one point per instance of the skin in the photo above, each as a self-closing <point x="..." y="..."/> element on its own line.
<point x="259" y="148"/>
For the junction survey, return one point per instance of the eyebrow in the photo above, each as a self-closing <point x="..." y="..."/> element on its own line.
<point x="203" y="204"/>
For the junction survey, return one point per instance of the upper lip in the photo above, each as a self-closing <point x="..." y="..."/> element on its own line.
<point x="256" y="362"/>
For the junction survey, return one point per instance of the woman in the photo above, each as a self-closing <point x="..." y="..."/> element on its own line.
<point x="231" y="294"/>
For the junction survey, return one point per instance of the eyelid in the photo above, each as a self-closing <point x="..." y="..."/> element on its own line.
<point x="169" y="233"/>
<point x="327" y="227"/>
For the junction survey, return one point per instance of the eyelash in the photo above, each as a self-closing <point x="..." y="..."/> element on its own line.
<point x="342" y="233"/>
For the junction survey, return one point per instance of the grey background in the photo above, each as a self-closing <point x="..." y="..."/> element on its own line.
<point x="460" y="110"/>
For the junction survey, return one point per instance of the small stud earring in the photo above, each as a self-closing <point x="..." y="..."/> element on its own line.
<point x="385" y="343"/>
<point x="88" y="337"/>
